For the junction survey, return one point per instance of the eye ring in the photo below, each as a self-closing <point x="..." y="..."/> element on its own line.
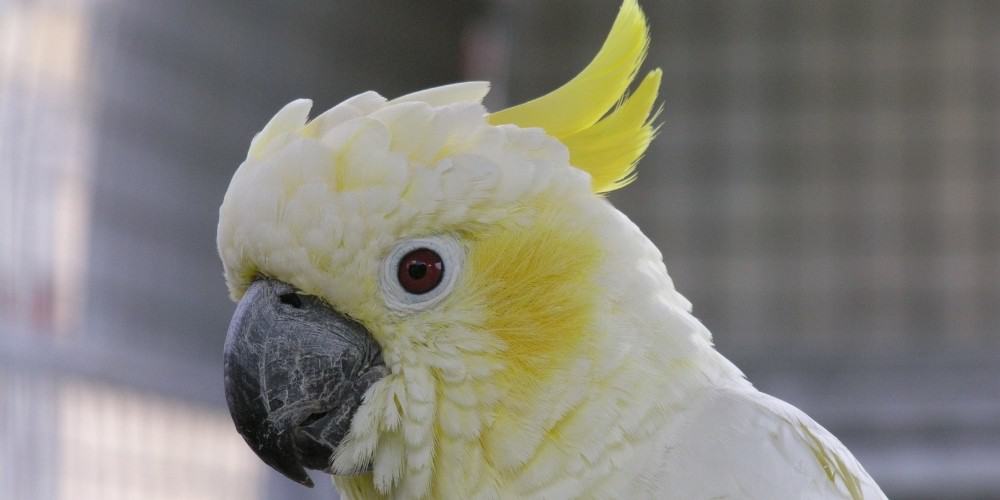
<point x="420" y="272"/>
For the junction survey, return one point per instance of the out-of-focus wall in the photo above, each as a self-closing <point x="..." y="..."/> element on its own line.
<point x="822" y="189"/>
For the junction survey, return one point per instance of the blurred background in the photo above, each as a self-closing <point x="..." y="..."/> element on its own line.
<point x="824" y="189"/>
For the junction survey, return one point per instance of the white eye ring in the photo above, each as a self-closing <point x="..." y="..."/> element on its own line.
<point x="399" y="299"/>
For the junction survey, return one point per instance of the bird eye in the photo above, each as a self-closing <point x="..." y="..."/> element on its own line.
<point x="420" y="271"/>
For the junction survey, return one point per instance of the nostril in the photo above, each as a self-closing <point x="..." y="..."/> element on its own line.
<point x="291" y="299"/>
<point x="275" y="404"/>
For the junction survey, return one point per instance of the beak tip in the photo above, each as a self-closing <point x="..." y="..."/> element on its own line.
<point x="292" y="470"/>
<point x="305" y="481"/>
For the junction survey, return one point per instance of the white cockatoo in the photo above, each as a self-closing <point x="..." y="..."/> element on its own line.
<point x="437" y="302"/>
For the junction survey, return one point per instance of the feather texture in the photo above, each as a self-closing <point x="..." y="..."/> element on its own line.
<point x="563" y="364"/>
<point x="572" y="113"/>
<point x="610" y="149"/>
<point x="767" y="448"/>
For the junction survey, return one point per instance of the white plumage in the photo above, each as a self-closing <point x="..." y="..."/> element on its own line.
<point x="746" y="444"/>
<point x="561" y="362"/>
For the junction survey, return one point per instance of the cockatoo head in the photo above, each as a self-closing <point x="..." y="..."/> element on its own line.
<point x="417" y="276"/>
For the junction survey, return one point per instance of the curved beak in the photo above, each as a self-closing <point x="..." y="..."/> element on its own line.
<point x="295" y="374"/>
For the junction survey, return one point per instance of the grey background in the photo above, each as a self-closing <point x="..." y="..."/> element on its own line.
<point x="824" y="189"/>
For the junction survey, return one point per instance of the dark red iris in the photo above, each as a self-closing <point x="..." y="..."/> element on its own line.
<point x="420" y="271"/>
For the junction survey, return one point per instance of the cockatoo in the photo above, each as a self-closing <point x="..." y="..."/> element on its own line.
<point x="437" y="302"/>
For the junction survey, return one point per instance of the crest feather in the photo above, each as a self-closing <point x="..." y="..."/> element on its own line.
<point x="610" y="149"/>
<point x="448" y="94"/>
<point x="606" y="148"/>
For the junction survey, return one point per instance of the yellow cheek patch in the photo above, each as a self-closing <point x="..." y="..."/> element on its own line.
<point x="537" y="286"/>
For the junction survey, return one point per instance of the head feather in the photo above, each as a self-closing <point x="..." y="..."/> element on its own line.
<point x="606" y="145"/>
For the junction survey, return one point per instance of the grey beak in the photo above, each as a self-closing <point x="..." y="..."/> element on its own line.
<point x="295" y="373"/>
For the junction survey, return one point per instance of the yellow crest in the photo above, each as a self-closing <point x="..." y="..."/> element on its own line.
<point x="605" y="144"/>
